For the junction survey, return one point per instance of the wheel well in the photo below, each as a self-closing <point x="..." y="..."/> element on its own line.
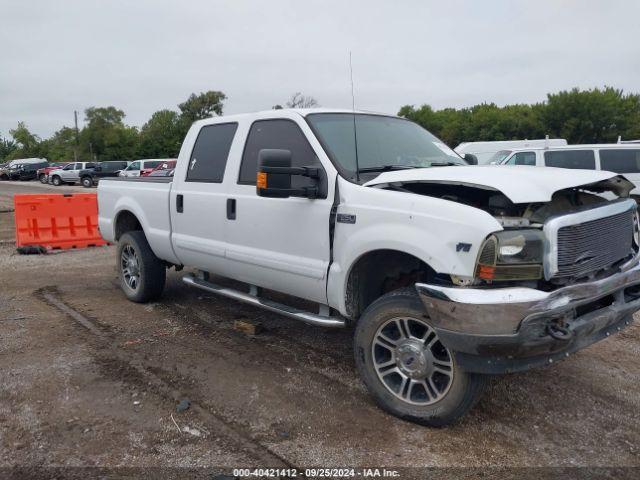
<point x="378" y="272"/>
<point x="126" y="222"/>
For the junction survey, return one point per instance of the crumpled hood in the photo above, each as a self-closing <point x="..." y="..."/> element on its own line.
<point x="521" y="184"/>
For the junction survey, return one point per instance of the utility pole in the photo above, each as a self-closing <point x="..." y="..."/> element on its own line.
<point x="75" y="150"/>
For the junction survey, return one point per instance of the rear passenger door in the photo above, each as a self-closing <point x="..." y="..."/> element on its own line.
<point x="198" y="200"/>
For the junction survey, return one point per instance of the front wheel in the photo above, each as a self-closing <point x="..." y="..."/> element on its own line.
<point x="405" y="366"/>
<point x="43" y="178"/>
<point x="142" y="274"/>
<point x="57" y="181"/>
<point x="87" y="182"/>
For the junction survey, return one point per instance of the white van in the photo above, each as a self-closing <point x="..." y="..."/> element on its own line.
<point x="139" y="167"/>
<point x="495" y="152"/>
<point x="623" y="158"/>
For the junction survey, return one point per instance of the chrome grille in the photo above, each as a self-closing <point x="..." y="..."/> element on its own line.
<point x="590" y="246"/>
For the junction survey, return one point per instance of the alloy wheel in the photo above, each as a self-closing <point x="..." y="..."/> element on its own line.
<point x="411" y="361"/>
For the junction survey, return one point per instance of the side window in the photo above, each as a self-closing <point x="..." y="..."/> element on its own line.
<point x="209" y="156"/>
<point x="584" y="159"/>
<point x="71" y="166"/>
<point x="279" y="134"/>
<point x="620" y="161"/>
<point x="134" y="166"/>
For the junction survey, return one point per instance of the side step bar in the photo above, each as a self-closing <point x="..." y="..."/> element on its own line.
<point x="307" y="317"/>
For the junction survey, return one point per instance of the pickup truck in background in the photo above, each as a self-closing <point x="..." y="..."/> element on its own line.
<point x="70" y="173"/>
<point x="91" y="176"/>
<point x="447" y="272"/>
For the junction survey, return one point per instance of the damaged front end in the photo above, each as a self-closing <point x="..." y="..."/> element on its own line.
<point x="559" y="276"/>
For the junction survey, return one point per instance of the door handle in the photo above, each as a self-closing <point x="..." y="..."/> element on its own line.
<point x="231" y="208"/>
<point x="179" y="203"/>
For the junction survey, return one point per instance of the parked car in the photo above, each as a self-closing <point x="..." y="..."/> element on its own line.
<point x="22" y="171"/>
<point x="70" y="174"/>
<point x="162" y="169"/>
<point x="92" y="176"/>
<point x="43" y="173"/>
<point x="140" y="167"/>
<point x="621" y="158"/>
<point x="448" y="272"/>
<point x="7" y="169"/>
<point x="494" y="152"/>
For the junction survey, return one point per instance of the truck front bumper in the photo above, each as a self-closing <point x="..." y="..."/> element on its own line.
<point x="501" y="330"/>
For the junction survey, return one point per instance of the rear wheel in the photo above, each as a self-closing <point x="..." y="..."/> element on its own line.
<point x="405" y="366"/>
<point x="87" y="182"/>
<point x="142" y="274"/>
<point x="56" y="180"/>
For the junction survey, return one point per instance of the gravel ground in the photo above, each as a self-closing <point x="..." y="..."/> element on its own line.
<point x="89" y="379"/>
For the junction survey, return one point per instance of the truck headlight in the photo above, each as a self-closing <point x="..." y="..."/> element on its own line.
<point x="511" y="255"/>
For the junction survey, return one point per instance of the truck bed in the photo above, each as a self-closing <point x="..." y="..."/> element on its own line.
<point x="147" y="199"/>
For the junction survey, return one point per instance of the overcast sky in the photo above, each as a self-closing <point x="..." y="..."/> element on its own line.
<point x="146" y="55"/>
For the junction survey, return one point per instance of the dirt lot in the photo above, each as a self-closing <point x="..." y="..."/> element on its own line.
<point x="90" y="379"/>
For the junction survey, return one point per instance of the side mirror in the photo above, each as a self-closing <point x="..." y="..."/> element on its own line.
<point x="274" y="176"/>
<point x="470" y="158"/>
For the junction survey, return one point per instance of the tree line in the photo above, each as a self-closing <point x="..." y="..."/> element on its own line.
<point x="580" y="116"/>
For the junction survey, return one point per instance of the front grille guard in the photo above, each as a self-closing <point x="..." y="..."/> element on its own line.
<point x="554" y="224"/>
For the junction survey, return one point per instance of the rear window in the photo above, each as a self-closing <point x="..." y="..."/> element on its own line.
<point x="209" y="156"/>
<point x="576" y="159"/>
<point x="620" y="161"/>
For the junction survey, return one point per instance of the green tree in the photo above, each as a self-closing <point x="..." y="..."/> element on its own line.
<point x="105" y="135"/>
<point x="7" y="146"/>
<point x="61" y="146"/>
<point x="161" y="136"/>
<point x="202" y="105"/>
<point x="28" y="143"/>
<point x="593" y="116"/>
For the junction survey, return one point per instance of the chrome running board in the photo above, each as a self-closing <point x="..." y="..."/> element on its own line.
<point x="307" y="317"/>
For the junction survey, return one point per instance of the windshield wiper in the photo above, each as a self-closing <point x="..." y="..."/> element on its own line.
<point x="444" y="164"/>
<point x="386" y="168"/>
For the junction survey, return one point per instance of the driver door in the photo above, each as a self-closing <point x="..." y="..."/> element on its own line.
<point x="279" y="243"/>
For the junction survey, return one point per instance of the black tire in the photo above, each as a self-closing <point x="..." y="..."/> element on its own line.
<point x="151" y="270"/>
<point x="43" y="178"/>
<point x="457" y="393"/>
<point x="56" y="180"/>
<point x="87" y="182"/>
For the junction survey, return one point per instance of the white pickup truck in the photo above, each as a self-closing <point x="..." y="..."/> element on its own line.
<point x="448" y="272"/>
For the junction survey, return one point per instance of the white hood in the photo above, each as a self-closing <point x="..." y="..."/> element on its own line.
<point x="521" y="184"/>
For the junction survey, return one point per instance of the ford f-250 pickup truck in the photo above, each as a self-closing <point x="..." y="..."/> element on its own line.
<point x="448" y="272"/>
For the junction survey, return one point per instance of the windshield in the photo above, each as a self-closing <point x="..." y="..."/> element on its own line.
<point x="384" y="143"/>
<point x="498" y="157"/>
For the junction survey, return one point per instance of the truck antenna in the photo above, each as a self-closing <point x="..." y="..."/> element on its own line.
<point x="353" y="110"/>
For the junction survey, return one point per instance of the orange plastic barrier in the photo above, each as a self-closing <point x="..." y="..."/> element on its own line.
<point x="57" y="221"/>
